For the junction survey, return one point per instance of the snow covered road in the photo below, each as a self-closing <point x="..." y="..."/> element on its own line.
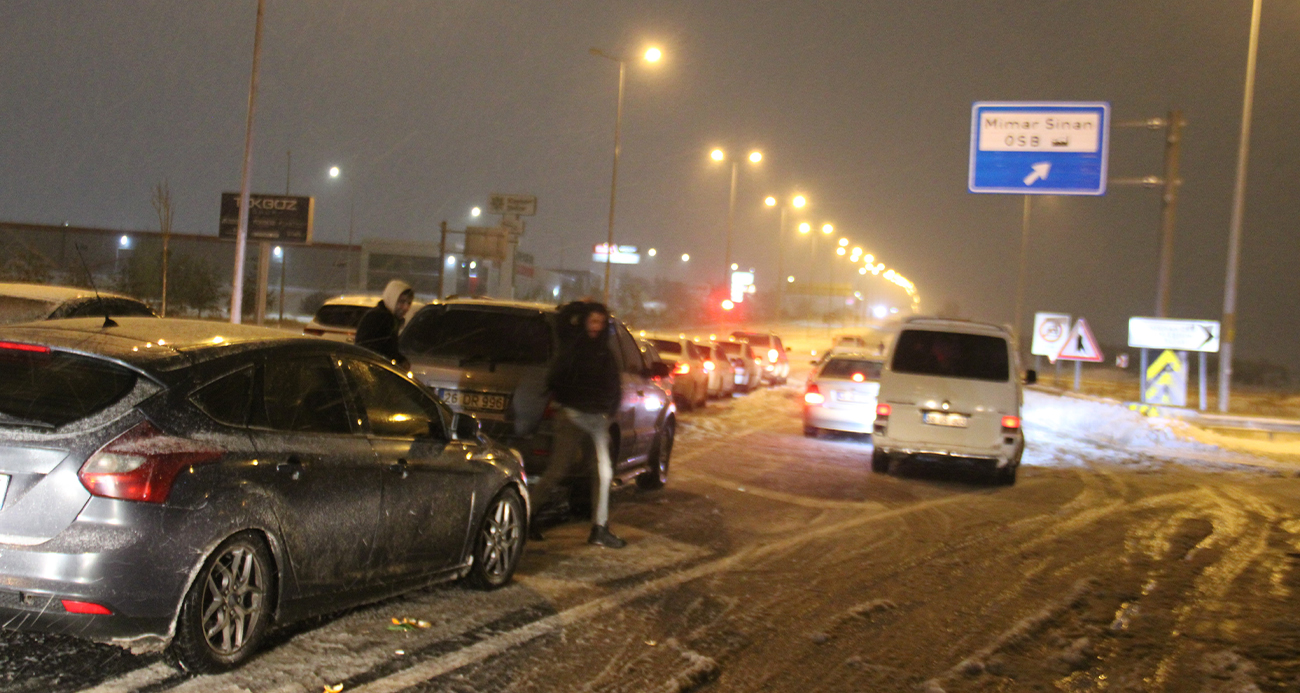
<point x="1128" y="557"/>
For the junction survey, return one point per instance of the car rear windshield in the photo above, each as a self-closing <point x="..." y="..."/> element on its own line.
<point x="666" y="347"/>
<point x="100" y="307"/>
<point x="341" y="315"/>
<point x="470" y="334"/>
<point x="14" y="309"/>
<point x="952" y="354"/>
<point x="758" y="340"/>
<point x="846" y="368"/>
<point x="47" y="389"/>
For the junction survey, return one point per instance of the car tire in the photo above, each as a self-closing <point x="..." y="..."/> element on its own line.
<point x="498" y="543"/>
<point x="1007" y="475"/>
<point x="227" y="610"/>
<point x="879" y="462"/>
<point x="656" y="476"/>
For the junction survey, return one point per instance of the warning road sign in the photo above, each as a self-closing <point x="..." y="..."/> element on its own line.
<point x="1080" y="345"/>
<point x="1166" y="380"/>
<point x="1050" y="331"/>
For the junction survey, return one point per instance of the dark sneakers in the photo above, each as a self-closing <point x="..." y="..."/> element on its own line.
<point x="601" y="536"/>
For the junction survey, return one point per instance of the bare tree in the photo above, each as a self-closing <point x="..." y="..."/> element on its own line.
<point x="162" y="204"/>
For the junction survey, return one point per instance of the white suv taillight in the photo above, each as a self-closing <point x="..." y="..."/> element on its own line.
<point x="141" y="464"/>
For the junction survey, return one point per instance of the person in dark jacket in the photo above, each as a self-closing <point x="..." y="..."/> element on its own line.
<point x="381" y="325"/>
<point x="585" y="381"/>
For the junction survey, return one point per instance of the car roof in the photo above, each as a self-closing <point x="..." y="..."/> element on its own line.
<point x="45" y="292"/>
<point x="497" y="303"/>
<point x="855" y="355"/>
<point x="156" y="344"/>
<point x="952" y="325"/>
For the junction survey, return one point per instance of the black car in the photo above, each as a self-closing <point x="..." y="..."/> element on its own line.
<point x="186" y="484"/>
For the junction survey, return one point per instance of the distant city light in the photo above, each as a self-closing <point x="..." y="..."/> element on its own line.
<point x="278" y="252"/>
<point x="124" y="241"/>
<point x="805" y="227"/>
<point x="755" y="157"/>
<point x="800" y="201"/>
<point x="828" y="229"/>
<point x="686" y="257"/>
<point x="735" y="266"/>
<point x="770" y="201"/>
<point x="473" y="264"/>
<point x="652" y="252"/>
<point x="839" y="251"/>
<point x="451" y="259"/>
<point x="717" y="155"/>
<point x="475" y="212"/>
<point x="790" y="279"/>
<point x="334" y="172"/>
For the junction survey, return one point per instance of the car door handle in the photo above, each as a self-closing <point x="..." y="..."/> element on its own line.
<point x="291" y="466"/>
<point x="400" y="467"/>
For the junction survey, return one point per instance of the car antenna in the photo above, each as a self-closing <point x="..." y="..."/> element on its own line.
<point x="108" y="321"/>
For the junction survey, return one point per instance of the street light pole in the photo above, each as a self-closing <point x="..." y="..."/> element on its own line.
<point x="613" y="182"/>
<point x="1238" y="209"/>
<point x="731" y="222"/>
<point x="241" y="236"/>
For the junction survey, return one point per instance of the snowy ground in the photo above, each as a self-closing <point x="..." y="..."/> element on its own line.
<point x="1133" y="554"/>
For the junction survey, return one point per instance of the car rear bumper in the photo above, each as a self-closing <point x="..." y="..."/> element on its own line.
<point x="1000" y="455"/>
<point x="855" y="420"/>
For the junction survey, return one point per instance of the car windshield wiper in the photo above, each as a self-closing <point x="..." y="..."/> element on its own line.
<point x="8" y="420"/>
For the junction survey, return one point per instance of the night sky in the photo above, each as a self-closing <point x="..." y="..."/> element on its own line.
<point x="862" y="106"/>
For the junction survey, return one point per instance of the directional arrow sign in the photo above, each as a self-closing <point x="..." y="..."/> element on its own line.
<point x="1039" y="148"/>
<point x="1166" y="380"/>
<point x="1180" y="335"/>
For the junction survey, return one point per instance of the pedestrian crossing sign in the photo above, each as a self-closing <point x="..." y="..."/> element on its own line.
<point x="1080" y="345"/>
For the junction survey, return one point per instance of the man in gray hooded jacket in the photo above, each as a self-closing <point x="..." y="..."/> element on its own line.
<point x="381" y="325"/>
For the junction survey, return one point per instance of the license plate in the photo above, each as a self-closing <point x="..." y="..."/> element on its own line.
<point x="480" y="401"/>
<point x="4" y="488"/>
<point x="855" y="397"/>
<point x="939" y="418"/>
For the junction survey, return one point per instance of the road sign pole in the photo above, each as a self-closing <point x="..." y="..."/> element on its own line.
<point x="1200" y="378"/>
<point x="1142" y="377"/>
<point x="1078" y="374"/>
<point x="1020" y="278"/>
<point x="1168" y="205"/>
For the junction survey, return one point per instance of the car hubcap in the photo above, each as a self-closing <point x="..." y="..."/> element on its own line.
<point x="502" y="535"/>
<point x="233" y="597"/>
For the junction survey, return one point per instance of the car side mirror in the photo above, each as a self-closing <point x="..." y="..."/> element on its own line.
<point x="1031" y="377"/>
<point x="658" y="369"/>
<point x="466" y="427"/>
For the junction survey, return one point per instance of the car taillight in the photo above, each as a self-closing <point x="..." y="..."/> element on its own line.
<point x="882" y="411"/>
<point x="1011" y="422"/>
<point x="813" y="395"/>
<point x="73" y="606"/>
<point x="141" y="464"/>
<point x="682" y="369"/>
<point x="772" y="355"/>
<point x="29" y="348"/>
<point x="709" y="366"/>
<point x="858" y="377"/>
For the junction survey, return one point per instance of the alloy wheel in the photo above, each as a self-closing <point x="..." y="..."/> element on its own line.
<point x="234" y="598"/>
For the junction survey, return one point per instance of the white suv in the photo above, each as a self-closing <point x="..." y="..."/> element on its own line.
<point x="951" y="389"/>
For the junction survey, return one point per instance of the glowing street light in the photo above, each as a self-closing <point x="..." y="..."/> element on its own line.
<point x="652" y="252"/>
<point x="800" y="201"/>
<point x="844" y="242"/>
<point x="755" y="157"/>
<point x="686" y="257"/>
<point x="790" y="279"/>
<point x="651" y="55"/>
<point x="840" y="251"/>
<point x="827" y="229"/>
<point x="719" y="155"/>
<point x="475" y="212"/>
<point x="334" y="172"/>
<point x="770" y="201"/>
<point x="734" y="267"/>
<point x="805" y="227"/>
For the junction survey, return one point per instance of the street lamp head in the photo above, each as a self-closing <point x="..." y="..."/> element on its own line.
<point x="652" y="55"/>
<point x="717" y="155"/>
<point x="790" y="279"/>
<point x="839" y="251"/>
<point x="770" y="201"/>
<point x="652" y="252"/>
<point x="828" y="229"/>
<point x="755" y="157"/>
<point x="686" y="257"/>
<point x="334" y="172"/>
<point x="800" y="201"/>
<point x="475" y="212"/>
<point x="805" y="227"/>
<point x="844" y="242"/>
<point x="734" y="267"/>
<point x="862" y="270"/>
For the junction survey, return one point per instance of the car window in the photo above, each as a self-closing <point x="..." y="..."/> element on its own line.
<point x="632" y="362"/>
<point x="467" y="333"/>
<point x="301" y="395"/>
<point x="665" y="346"/>
<point x="952" y="354"/>
<point x="227" y="398"/>
<point x="341" y="315"/>
<point x="847" y="368"/>
<point x="97" y="307"/>
<point x="52" y="388"/>
<point x="394" y="407"/>
<point x="14" y="309"/>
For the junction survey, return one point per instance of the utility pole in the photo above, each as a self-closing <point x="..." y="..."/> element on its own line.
<point x="1168" y="206"/>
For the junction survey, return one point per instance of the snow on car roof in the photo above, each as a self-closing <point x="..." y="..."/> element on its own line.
<point x="44" y="292"/>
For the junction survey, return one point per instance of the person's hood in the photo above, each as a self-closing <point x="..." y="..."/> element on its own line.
<point x="394" y="291"/>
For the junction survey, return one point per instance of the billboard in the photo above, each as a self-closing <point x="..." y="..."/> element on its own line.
<point x="274" y="218"/>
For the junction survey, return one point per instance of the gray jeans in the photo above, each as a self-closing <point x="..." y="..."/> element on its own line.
<point x="572" y="428"/>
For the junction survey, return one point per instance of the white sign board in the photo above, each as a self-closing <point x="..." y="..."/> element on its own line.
<point x="1179" y="335"/>
<point x="523" y="205"/>
<point x="623" y="254"/>
<point x="741" y="284"/>
<point x="1044" y="148"/>
<point x="1050" y="331"/>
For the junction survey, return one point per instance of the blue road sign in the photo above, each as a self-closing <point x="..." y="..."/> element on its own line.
<point x="1039" y="148"/>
